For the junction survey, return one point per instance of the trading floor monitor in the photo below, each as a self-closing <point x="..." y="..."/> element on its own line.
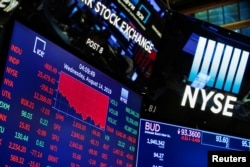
<point x="58" y="110"/>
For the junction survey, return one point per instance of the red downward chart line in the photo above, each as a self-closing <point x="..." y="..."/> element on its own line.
<point x="85" y="100"/>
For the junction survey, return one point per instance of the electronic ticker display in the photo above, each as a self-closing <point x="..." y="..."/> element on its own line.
<point x="161" y="144"/>
<point x="57" y="110"/>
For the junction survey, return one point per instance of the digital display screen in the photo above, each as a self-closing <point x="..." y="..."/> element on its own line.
<point x="216" y="64"/>
<point x="205" y="71"/>
<point x="126" y="34"/>
<point x="57" y="110"/>
<point x="162" y="144"/>
<point x="216" y="76"/>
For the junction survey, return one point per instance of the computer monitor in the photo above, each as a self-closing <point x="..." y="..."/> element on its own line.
<point x="58" y="110"/>
<point x="162" y="144"/>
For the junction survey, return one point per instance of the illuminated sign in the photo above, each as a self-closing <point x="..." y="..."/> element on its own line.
<point x="221" y="103"/>
<point x="219" y="66"/>
<point x="123" y="26"/>
<point x="142" y="13"/>
<point x="223" y="65"/>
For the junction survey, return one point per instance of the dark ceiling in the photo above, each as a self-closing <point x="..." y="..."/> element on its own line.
<point x="191" y="6"/>
<point x="185" y="4"/>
